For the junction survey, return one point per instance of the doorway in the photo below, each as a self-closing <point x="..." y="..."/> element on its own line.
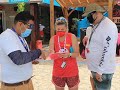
<point x="1" y="25"/>
<point x="2" y="21"/>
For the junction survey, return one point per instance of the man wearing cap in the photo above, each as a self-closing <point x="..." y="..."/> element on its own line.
<point x="101" y="50"/>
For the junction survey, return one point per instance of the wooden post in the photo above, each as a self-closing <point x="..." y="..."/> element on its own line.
<point x="65" y="12"/>
<point x="52" y="18"/>
<point x="110" y="8"/>
<point x="33" y="35"/>
<point x="35" y="32"/>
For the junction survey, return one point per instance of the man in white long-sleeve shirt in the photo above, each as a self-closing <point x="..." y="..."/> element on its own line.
<point x="101" y="47"/>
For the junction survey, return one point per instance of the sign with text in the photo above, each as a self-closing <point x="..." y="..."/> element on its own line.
<point x="17" y="1"/>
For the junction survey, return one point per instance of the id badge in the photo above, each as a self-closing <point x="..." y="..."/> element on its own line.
<point x="63" y="65"/>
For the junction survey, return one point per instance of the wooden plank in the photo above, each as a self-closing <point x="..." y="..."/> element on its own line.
<point x="101" y="0"/>
<point x="71" y="1"/>
<point x="68" y="3"/>
<point x="65" y="12"/>
<point x="102" y="3"/>
<point x="52" y="18"/>
<point x="71" y="12"/>
<point x="79" y="1"/>
<point x="62" y="4"/>
<point x="83" y="4"/>
<point x="110" y="8"/>
<point x="75" y="2"/>
<point x="79" y="5"/>
<point x="84" y="1"/>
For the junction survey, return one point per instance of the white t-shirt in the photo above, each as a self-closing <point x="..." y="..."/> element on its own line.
<point x="12" y="73"/>
<point x="88" y="33"/>
<point x="102" y="47"/>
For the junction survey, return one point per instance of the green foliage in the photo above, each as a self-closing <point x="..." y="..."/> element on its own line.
<point x="21" y="7"/>
<point x="74" y="26"/>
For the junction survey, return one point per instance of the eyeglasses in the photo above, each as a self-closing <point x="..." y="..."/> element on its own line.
<point x="31" y="26"/>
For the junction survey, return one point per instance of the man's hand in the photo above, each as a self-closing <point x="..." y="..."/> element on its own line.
<point x="99" y="77"/>
<point x="85" y="39"/>
<point x="35" y="62"/>
<point x="41" y="57"/>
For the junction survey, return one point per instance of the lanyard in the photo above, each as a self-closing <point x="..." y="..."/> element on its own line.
<point x="60" y="46"/>
<point x="22" y="41"/>
<point x="59" y="42"/>
<point x="95" y="28"/>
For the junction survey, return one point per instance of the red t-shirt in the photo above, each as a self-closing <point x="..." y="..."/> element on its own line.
<point x="71" y="68"/>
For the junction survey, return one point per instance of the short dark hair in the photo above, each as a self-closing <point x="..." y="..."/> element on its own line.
<point x="24" y="17"/>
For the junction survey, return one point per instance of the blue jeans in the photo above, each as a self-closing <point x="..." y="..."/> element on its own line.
<point x="105" y="84"/>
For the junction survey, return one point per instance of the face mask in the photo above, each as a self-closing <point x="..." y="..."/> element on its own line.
<point x="90" y="17"/>
<point x="26" y="33"/>
<point x="61" y="33"/>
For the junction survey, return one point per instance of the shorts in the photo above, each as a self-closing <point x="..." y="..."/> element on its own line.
<point x="70" y="81"/>
<point x="106" y="81"/>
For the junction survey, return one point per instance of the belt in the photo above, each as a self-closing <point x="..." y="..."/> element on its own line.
<point x="16" y="84"/>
